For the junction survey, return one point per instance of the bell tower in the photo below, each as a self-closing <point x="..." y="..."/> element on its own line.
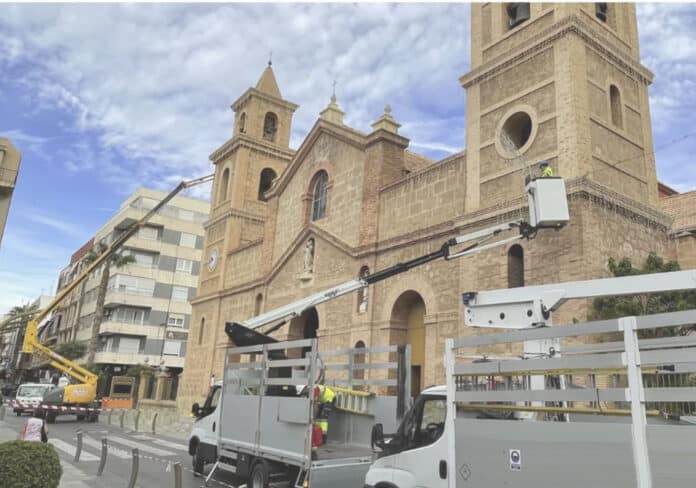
<point x="246" y="166"/>
<point x="560" y="82"/>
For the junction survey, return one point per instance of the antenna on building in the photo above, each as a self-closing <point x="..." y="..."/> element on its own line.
<point x="270" y="58"/>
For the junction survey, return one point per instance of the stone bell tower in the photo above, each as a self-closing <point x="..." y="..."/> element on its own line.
<point x="560" y="82"/>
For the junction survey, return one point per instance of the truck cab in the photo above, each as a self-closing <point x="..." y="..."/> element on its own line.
<point x="29" y="396"/>
<point x="416" y="454"/>
<point x="203" y="438"/>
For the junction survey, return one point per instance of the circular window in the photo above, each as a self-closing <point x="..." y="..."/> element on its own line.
<point x="516" y="131"/>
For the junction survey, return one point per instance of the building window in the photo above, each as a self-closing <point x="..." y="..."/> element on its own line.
<point x="175" y="321"/>
<point x="257" y="304"/>
<point x="128" y="345"/>
<point x="616" y="108"/>
<point x="132" y="285"/>
<point x="602" y="11"/>
<point x="128" y="315"/>
<point x="201" y="331"/>
<point x="270" y="126"/>
<point x="242" y="123"/>
<point x="265" y="182"/>
<point x="187" y="240"/>
<point x="184" y="265"/>
<point x="224" y="183"/>
<point x="146" y="260"/>
<point x="515" y="266"/>
<point x="319" y="195"/>
<point x="362" y="293"/>
<point x="180" y="293"/>
<point x="148" y="232"/>
<point x="516" y="131"/>
<point x="171" y="348"/>
<point x="517" y="13"/>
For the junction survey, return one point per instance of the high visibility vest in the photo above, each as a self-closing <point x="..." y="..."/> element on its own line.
<point x="547" y="173"/>
<point x="326" y="394"/>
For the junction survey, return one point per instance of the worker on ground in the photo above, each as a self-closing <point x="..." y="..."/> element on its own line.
<point x="326" y="398"/>
<point x="546" y="170"/>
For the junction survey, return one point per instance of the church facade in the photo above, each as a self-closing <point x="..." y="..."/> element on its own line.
<point x="556" y="82"/>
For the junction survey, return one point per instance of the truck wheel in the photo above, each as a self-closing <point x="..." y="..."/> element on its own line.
<point x="259" y="476"/>
<point x="198" y="463"/>
<point x="18" y="412"/>
<point x="80" y="418"/>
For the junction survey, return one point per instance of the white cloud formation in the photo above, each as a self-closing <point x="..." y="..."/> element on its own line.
<point x="155" y="81"/>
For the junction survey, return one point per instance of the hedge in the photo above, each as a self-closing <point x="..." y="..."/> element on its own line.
<point x="26" y="464"/>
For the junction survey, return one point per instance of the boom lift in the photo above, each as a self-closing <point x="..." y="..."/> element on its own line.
<point x="84" y="393"/>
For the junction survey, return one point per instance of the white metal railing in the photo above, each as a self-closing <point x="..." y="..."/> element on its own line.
<point x="503" y="383"/>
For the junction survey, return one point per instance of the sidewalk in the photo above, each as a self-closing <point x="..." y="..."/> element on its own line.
<point x="72" y="477"/>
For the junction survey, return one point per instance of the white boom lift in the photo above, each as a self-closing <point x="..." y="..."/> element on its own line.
<point x="548" y="209"/>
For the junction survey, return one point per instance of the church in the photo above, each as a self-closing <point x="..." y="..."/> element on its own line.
<point x="560" y="82"/>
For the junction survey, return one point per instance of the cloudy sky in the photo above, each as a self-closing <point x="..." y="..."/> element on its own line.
<point x="102" y="99"/>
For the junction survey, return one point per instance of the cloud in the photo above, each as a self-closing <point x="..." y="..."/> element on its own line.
<point x="57" y="223"/>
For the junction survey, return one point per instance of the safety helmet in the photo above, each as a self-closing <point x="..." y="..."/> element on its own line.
<point x="543" y="164"/>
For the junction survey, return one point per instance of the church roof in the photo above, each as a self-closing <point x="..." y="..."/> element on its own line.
<point x="414" y="161"/>
<point x="267" y="83"/>
<point x="682" y="208"/>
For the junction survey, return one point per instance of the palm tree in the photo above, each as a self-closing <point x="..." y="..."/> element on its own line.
<point x="117" y="261"/>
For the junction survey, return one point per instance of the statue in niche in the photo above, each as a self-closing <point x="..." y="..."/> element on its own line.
<point x="309" y="257"/>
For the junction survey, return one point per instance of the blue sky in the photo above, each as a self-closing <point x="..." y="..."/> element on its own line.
<point x="102" y="99"/>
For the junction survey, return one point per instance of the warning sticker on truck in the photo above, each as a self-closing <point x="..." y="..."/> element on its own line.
<point x="515" y="459"/>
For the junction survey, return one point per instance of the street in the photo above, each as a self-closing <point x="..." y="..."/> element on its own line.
<point x="158" y="454"/>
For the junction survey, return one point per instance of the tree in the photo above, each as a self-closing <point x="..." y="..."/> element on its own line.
<point x="71" y="350"/>
<point x="623" y="306"/>
<point x="117" y="261"/>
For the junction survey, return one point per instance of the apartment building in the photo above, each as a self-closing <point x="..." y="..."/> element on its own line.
<point x="146" y="312"/>
<point x="9" y="168"/>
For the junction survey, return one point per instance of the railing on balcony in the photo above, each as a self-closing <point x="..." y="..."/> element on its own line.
<point x="8" y="176"/>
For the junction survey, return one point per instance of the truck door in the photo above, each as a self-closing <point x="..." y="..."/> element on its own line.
<point x="423" y="461"/>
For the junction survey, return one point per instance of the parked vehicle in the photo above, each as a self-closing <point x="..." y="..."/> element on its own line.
<point x="29" y="396"/>
<point x="256" y="425"/>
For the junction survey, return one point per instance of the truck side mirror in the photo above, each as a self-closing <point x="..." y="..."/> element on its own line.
<point x="377" y="436"/>
<point x="195" y="408"/>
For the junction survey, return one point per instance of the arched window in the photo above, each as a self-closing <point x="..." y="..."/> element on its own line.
<point x="616" y="108"/>
<point x="224" y="183"/>
<point x="257" y="304"/>
<point x="270" y="126"/>
<point x="242" y="123"/>
<point x="515" y="266"/>
<point x="362" y="293"/>
<point x="201" y="331"/>
<point x="319" y="194"/>
<point x="265" y="182"/>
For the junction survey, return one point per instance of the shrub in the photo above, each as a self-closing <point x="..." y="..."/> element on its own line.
<point x="29" y="465"/>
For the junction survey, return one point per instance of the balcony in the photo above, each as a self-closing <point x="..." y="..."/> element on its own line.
<point x="8" y="177"/>
<point x="109" y="357"/>
<point x="126" y="328"/>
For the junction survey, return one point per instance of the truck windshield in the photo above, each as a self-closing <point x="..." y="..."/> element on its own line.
<point x="33" y="391"/>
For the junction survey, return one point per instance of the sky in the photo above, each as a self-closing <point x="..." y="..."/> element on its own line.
<point x="102" y="99"/>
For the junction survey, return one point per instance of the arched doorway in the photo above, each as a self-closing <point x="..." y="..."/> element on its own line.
<point x="304" y="327"/>
<point x="408" y="327"/>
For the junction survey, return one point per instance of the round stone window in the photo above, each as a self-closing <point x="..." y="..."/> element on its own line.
<point x="516" y="132"/>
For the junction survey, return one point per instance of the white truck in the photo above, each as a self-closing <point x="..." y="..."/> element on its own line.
<point x="588" y="422"/>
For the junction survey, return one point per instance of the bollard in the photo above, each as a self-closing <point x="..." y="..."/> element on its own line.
<point x="154" y="419"/>
<point x="78" y="449"/>
<point x="134" y="468"/>
<point x="2" y="412"/>
<point x="177" y="475"/>
<point x="108" y="419"/>
<point x="102" y="460"/>
<point x="135" y="422"/>
<point x="120" y="420"/>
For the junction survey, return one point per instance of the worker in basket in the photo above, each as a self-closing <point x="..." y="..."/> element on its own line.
<point x="546" y="170"/>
